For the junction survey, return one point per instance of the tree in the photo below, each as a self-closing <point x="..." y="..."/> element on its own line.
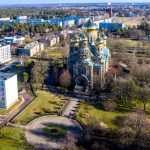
<point x="144" y="96"/>
<point x="70" y="141"/>
<point x="97" y="84"/>
<point x="138" y="121"/>
<point x="141" y="74"/>
<point x="65" y="79"/>
<point x="39" y="73"/>
<point x="43" y="71"/>
<point x="26" y="78"/>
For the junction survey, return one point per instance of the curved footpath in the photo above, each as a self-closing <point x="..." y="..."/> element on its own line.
<point x="36" y="138"/>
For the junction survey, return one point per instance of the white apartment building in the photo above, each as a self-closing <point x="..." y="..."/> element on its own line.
<point x="51" y="40"/>
<point x="5" y="53"/>
<point x="8" y="90"/>
<point x="14" y="39"/>
<point x="30" y="49"/>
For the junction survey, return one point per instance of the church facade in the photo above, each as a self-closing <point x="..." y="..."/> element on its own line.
<point x="88" y="57"/>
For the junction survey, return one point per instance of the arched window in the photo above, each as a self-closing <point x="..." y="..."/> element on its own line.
<point x="82" y="70"/>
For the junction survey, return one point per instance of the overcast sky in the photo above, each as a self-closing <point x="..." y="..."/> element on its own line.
<point x="63" y="1"/>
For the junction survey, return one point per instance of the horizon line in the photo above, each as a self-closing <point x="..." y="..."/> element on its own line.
<point x="76" y="3"/>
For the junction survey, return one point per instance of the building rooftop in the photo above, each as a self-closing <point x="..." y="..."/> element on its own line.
<point x="5" y="76"/>
<point x="30" y="45"/>
<point x="2" y="44"/>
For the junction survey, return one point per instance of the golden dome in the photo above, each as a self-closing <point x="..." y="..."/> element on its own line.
<point x="89" y="25"/>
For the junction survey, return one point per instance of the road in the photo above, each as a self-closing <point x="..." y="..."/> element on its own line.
<point x="11" y="115"/>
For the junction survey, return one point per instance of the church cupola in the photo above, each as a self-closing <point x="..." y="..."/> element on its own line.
<point x="91" y="30"/>
<point x="104" y="38"/>
<point x="75" y="41"/>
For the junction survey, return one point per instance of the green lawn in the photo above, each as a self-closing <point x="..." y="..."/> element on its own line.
<point x="55" y="131"/>
<point x="12" y="138"/>
<point x="107" y="117"/>
<point x="46" y="103"/>
<point x="5" y="111"/>
<point x="111" y="118"/>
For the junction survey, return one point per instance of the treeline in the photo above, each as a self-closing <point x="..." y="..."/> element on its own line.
<point x="27" y="28"/>
<point x="138" y="32"/>
<point x="40" y="13"/>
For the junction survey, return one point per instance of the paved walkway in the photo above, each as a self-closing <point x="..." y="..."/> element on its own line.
<point x="71" y="108"/>
<point x="36" y="138"/>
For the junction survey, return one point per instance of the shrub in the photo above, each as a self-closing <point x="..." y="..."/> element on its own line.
<point x="47" y="110"/>
<point x="90" y="107"/>
<point x="85" y="115"/>
<point x="110" y="105"/>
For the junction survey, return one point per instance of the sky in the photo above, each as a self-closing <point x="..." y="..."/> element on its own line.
<point x="63" y="1"/>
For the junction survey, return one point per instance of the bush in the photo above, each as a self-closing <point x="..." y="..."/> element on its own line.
<point x="85" y="115"/>
<point x="110" y="105"/>
<point x="90" y="107"/>
<point x="47" y="110"/>
<point x="37" y="113"/>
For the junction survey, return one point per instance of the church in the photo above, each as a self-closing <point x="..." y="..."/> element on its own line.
<point x="88" y="57"/>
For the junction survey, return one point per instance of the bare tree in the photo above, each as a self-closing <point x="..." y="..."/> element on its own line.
<point x="139" y="122"/>
<point x="97" y="84"/>
<point x="70" y="142"/>
<point x="144" y="96"/>
<point x="65" y="79"/>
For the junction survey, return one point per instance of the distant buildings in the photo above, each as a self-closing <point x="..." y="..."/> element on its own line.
<point x="111" y="26"/>
<point x="21" y="18"/>
<point x="8" y="90"/>
<point x="30" y="49"/>
<point x="15" y="39"/>
<point x="5" y="19"/>
<point x="52" y="40"/>
<point x="5" y="53"/>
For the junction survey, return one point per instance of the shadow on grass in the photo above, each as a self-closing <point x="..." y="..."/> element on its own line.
<point x="124" y="108"/>
<point x="119" y="121"/>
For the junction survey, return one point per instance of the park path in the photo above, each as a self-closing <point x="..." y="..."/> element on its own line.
<point x="71" y="107"/>
<point x="34" y="132"/>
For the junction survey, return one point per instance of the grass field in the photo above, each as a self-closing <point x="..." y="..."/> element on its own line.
<point x="12" y="138"/>
<point x="130" y="46"/>
<point x="5" y="111"/>
<point x="45" y="104"/>
<point x="129" y="21"/>
<point x="108" y="117"/>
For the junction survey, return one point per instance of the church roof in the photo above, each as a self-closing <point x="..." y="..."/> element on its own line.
<point x="89" y="25"/>
<point x="99" y="40"/>
<point x="106" y="53"/>
<point x="82" y="36"/>
<point x="104" y="36"/>
<point x="75" y="38"/>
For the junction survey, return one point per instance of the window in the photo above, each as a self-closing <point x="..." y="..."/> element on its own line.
<point x="82" y="70"/>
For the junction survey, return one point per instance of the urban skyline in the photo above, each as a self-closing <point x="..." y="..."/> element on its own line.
<point x="68" y="1"/>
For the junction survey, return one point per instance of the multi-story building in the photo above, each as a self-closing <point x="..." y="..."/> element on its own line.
<point x="51" y="40"/>
<point x="5" y="53"/>
<point x="111" y="26"/>
<point x="8" y="89"/>
<point x="30" y="49"/>
<point x="14" y="39"/>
